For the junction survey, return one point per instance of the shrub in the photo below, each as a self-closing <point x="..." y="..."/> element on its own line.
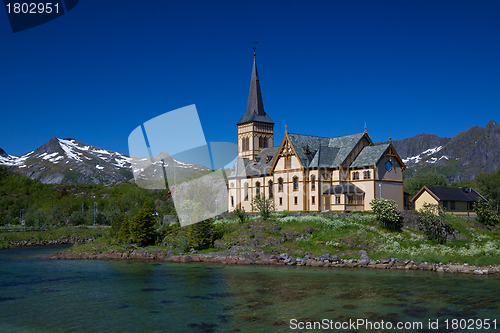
<point x="485" y="213"/>
<point x="263" y="206"/>
<point x="241" y="214"/>
<point x="200" y="235"/>
<point x="432" y="222"/>
<point x="387" y="213"/>
<point x="142" y="226"/>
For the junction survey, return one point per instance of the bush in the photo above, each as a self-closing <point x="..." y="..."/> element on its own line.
<point x="200" y="235"/>
<point x="263" y="206"/>
<point x="485" y="213"/>
<point x="241" y="214"/>
<point x="432" y="222"/>
<point x="387" y="213"/>
<point x="142" y="226"/>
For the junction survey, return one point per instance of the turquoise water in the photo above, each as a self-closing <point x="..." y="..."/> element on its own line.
<point x="38" y="295"/>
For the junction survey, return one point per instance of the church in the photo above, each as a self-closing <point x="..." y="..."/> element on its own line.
<point x="309" y="173"/>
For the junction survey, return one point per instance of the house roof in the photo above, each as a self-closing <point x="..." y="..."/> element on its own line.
<point x="344" y="188"/>
<point x="255" y="106"/>
<point x="315" y="151"/>
<point x="370" y="155"/>
<point x="451" y="194"/>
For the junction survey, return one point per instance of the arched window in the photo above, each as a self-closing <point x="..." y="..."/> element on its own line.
<point x="295" y="183"/>
<point x="313" y="182"/>
<point x="270" y="189"/>
<point x="257" y="188"/>
<point x="245" y="194"/>
<point x="280" y="185"/>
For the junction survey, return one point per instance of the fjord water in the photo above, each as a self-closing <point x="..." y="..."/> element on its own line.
<point x="40" y="295"/>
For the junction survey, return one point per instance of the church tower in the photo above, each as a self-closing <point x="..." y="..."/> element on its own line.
<point x="255" y="128"/>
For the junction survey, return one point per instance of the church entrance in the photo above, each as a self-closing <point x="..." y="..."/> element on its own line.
<point x="327" y="202"/>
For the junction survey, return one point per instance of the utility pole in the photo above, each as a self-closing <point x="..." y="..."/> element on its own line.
<point x="94" y="213"/>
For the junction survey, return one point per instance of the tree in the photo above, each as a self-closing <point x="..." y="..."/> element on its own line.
<point x="387" y="213"/>
<point x="241" y="214"/>
<point x="421" y="179"/>
<point x="432" y="222"/>
<point x="200" y="235"/>
<point x="263" y="205"/>
<point x="485" y="213"/>
<point x="124" y="232"/>
<point x="488" y="184"/>
<point x="142" y="226"/>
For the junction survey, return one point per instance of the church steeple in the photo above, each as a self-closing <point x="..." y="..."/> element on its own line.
<point x="255" y="128"/>
<point x="255" y="106"/>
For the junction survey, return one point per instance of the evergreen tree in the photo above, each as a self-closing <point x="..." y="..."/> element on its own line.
<point x="124" y="231"/>
<point x="200" y="235"/>
<point x="142" y="226"/>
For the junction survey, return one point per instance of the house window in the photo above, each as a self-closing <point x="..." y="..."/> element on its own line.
<point x="232" y="201"/>
<point x="288" y="162"/>
<point x="445" y="204"/>
<point x="337" y="199"/>
<point x="366" y="175"/>
<point x="350" y="199"/>
<point x="452" y="204"/>
<point x="280" y="185"/>
<point x="270" y="189"/>
<point x="313" y="183"/>
<point x="281" y="201"/>
<point x="245" y="194"/>
<point x="388" y="166"/>
<point x="295" y="183"/>
<point x="313" y="201"/>
<point x="257" y="188"/>
<point x="295" y="200"/>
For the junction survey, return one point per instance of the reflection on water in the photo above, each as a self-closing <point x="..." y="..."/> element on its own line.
<point x="38" y="295"/>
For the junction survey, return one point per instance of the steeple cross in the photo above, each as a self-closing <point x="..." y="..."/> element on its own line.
<point x="254" y="47"/>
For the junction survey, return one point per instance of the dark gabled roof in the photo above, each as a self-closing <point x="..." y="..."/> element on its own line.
<point x="344" y="188"/>
<point x="451" y="194"/>
<point x="369" y="155"/>
<point x="255" y="106"/>
<point x="260" y="167"/>
<point x="316" y="152"/>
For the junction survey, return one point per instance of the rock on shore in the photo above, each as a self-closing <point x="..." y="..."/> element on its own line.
<point x="259" y="257"/>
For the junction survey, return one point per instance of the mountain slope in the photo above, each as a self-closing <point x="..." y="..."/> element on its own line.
<point x="459" y="158"/>
<point x="70" y="161"/>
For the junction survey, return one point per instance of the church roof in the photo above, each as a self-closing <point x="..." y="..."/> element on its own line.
<point x="255" y="106"/>
<point x="344" y="188"/>
<point x="369" y="155"/>
<point x="316" y="152"/>
<point x="260" y="167"/>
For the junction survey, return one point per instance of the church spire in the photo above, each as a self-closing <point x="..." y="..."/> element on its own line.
<point x="255" y="106"/>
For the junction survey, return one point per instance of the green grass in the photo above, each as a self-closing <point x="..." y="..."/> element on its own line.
<point x="53" y="234"/>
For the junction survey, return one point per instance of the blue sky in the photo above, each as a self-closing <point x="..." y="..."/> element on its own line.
<point x="325" y="67"/>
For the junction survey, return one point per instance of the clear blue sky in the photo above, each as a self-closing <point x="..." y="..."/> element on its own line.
<point x="325" y="67"/>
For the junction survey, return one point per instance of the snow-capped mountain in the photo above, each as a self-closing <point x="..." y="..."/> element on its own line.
<point x="458" y="158"/>
<point x="70" y="161"/>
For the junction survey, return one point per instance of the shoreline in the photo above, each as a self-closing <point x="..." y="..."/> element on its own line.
<point x="263" y="258"/>
<point x="64" y="241"/>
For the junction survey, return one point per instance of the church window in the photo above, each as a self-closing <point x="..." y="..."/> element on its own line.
<point x="281" y="201"/>
<point x="355" y="175"/>
<point x="246" y="191"/>
<point x="337" y="199"/>
<point x="280" y="185"/>
<point x="359" y="199"/>
<point x="295" y="200"/>
<point x="295" y="183"/>
<point x="262" y="142"/>
<point x="288" y="162"/>
<point x="257" y="188"/>
<point x="350" y="199"/>
<point x="232" y="184"/>
<point x="388" y="166"/>
<point x="270" y="189"/>
<point x="313" y="183"/>
<point x="232" y="201"/>
<point x="313" y="201"/>
<point x="366" y="175"/>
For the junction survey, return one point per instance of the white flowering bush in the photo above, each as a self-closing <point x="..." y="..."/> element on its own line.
<point x="387" y="213"/>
